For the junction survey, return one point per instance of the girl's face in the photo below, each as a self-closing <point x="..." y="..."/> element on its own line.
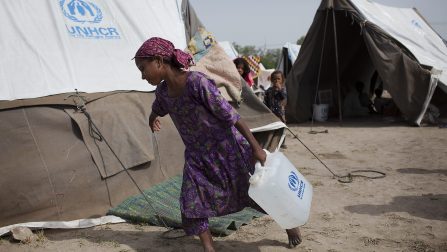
<point x="240" y="68"/>
<point x="277" y="81"/>
<point x="150" y="70"/>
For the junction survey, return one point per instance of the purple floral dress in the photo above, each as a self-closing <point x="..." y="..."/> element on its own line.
<point x="217" y="156"/>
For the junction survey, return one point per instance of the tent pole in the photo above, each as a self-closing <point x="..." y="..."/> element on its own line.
<point x="321" y="62"/>
<point x="337" y="67"/>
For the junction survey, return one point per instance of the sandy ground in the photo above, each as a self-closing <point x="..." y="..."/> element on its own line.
<point x="405" y="211"/>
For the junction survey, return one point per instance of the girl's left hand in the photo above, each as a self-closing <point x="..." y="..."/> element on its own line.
<point x="259" y="155"/>
<point x="154" y="122"/>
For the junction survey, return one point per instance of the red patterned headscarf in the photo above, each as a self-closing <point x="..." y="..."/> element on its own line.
<point x="164" y="48"/>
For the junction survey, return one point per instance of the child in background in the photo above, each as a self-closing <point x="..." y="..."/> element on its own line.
<point x="244" y="70"/>
<point x="219" y="147"/>
<point x="275" y="97"/>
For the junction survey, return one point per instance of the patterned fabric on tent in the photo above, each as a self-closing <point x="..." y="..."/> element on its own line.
<point x="253" y="62"/>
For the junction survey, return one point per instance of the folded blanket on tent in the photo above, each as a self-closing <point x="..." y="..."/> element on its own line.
<point x="212" y="60"/>
<point x="218" y="66"/>
<point x="164" y="200"/>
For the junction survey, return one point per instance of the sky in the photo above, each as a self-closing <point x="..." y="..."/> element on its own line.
<point x="270" y="24"/>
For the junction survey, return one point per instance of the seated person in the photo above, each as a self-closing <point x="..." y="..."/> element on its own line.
<point x="384" y="106"/>
<point x="356" y="102"/>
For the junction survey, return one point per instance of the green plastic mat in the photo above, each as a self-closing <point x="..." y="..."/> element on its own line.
<point x="164" y="198"/>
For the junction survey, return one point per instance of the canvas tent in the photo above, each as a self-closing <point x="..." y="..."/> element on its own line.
<point x="55" y="165"/>
<point x="349" y="40"/>
<point x="229" y="49"/>
<point x="288" y="56"/>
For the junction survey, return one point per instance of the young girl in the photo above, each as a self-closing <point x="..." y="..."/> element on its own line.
<point x="244" y="70"/>
<point x="219" y="145"/>
<point x="275" y="97"/>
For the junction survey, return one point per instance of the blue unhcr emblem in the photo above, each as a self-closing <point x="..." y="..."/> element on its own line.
<point x="90" y="23"/>
<point x="81" y="11"/>
<point x="293" y="181"/>
<point x="416" y="24"/>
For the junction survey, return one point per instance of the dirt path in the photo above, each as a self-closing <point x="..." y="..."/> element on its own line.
<point x="405" y="211"/>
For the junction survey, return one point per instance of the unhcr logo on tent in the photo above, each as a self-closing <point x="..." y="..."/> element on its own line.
<point x="85" y="20"/>
<point x="417" y="27"/>
<point x="81" y="11"/>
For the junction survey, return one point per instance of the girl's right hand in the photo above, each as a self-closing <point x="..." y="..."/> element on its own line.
<point x="154" y="122"/>
<point x="259" y="155"/>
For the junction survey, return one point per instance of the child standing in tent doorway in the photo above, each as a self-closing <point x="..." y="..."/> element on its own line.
<point x="219" y="145"/>
<point x="244" y="70"/>
<point x="275" y="97"/>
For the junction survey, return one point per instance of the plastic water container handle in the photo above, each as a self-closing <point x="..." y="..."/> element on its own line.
<point x="259" y="171"/>
<point x="257" y="175"/>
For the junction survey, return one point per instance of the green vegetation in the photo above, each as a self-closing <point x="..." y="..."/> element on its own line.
<point x="300" y="40"/>
<point x="269" y="57"/>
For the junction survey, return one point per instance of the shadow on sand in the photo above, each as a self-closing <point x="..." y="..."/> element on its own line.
<point x="422" y="171"/>
<point x="427" y="206"/>
<point x="153" y="240"/>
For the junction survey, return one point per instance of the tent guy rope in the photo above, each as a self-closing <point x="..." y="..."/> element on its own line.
<point x="80" y="103"/>
<point x="348" y="178"/>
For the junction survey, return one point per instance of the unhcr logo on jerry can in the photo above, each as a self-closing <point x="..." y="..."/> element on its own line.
<point x="296" y="184"/>
<point x="293" y="181"/>
<point x="85" y="19"/>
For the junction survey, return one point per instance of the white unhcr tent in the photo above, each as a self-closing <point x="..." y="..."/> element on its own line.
<point x="229" y="49"/>
<point x="408" y="27"/>
<point x="64" y="48"/>
<point x="56" y="168"/>
<point x="287" y="57"/>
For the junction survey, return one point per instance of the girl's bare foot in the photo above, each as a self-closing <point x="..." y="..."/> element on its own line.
<point x="295" y="238"/>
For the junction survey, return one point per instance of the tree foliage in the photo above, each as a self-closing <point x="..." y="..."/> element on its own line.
<point x="300" y="40"/>
<point x="247" y="50"/>
<point x="269" y="57"/>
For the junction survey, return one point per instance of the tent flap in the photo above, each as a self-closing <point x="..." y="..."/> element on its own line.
<point x="406" y="81"/>
<point x="122" y="121"/>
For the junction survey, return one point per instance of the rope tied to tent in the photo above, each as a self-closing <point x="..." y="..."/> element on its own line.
<point x="362" y="26"/>
<point x="80" y="103"/>
<point x="348" y="178"/>
<point x="352" y="20"/>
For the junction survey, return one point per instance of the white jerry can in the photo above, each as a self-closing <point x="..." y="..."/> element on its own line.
<point x="281" y="190"/>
